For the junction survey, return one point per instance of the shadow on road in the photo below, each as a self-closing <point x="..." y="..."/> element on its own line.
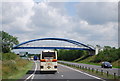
<point x="40" y="72"/>
<point x="32" y="71"/>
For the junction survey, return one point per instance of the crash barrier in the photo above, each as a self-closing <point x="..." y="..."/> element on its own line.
<point x="98" y="71"/>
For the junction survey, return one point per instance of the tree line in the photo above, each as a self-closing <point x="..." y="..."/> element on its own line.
<point x="109" y="54"/>
<point x="70" y="55"/>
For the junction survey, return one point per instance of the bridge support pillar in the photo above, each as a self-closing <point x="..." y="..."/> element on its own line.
<point x="97" y="49"/>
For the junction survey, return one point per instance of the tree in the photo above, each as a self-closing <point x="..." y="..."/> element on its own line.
<point x="107" y="47"/>
<point x="7" y="41"/>
<point x="70" y="55"/>
<point x="110" y="55"/>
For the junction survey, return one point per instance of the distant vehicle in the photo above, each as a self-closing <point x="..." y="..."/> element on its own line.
<point x="31" y="58"/>
<point x="106" y="65"/>
<point x="48" y="61"/>
<point x="35" y="57"/>
<point x="23" y="54"/>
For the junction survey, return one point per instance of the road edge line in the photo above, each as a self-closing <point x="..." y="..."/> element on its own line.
<point x="32" y="73"/>
<point x="83" y="72"/>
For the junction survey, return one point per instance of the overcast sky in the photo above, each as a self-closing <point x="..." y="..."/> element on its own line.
<point x="87" y="22"/>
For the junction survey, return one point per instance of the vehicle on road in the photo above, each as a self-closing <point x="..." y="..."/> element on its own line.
<point x="48" y="61"/>
<point x="106" y="65"/>
<point x="31" y="58"/>
<point x="35" y="57"/>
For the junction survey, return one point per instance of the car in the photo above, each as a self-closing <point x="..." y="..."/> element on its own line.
<point x="35" y="57"/>
<point x="106" y="65"/>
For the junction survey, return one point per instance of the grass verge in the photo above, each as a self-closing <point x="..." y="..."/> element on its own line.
<point x="89" y="60"/>
<point x="13" y="67"/>
<point x="22" y="72"/>
<point x="18" y="74"/>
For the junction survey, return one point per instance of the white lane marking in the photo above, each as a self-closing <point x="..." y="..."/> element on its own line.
<point x="34" y="71"/>
<point x="28" y="77"/>
<point x="82" y="72"/>
<point x="61" y="75"/>
<point x="32" y="75"/>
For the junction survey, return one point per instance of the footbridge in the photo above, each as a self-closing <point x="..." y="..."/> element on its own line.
<point x="36" y="44"/>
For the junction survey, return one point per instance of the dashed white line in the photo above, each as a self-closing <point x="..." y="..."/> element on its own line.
<point x="61" y="75"/>
<point x="82" y="72"/>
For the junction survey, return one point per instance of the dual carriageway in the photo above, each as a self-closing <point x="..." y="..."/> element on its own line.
<point x="64" y="73"/>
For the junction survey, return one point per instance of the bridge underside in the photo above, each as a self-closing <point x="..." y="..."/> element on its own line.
<point x="53" y="48"/>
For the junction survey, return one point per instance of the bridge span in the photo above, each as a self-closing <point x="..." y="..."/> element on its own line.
<point x="77" y="45"/>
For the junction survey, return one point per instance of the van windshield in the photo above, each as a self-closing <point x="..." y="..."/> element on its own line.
<point x="48" y="55"/>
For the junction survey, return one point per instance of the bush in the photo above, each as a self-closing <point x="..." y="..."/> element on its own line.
<point x="70" y="55"/>
<point x="110" y="55"/>
<point x="9" y="56"/>
<point x="11" y="64"/>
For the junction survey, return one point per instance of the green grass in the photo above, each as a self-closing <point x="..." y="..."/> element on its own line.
<point x="9" y="73"/>
<point x="0" y="70"/>
<point x="19" y="74"/>
<point x="14" y="68"/>
<point x="76" y="60"/>
<point x="116" y="64"/>
<point x="90" y="59"/>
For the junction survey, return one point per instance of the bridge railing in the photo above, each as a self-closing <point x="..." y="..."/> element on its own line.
<point x="51" y="46"/>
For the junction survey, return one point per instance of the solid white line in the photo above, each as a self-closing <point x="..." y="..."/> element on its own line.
<point x="28" y="77"/>
<point x="32" y="75"/>
<point x="82" y="72"/>
<point x="34" y="71"/>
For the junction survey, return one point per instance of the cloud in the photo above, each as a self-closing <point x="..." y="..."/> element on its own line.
<point x="98" y="12"/>
<point x="15" y="16"/>
<point x="31" y="21"/>
<point x="99" y="32"/>
<point x="18" y="14"/>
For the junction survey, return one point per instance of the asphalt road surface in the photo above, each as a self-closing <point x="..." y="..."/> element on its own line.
<point x="110" y="70"/>
<point x="64" y="73"/>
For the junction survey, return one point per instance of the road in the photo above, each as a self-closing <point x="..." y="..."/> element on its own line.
<point x="64" y="73"/>
<point x="111" y="71"/>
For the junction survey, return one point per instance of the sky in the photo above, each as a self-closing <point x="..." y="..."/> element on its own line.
<point x="94" y="23"/>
